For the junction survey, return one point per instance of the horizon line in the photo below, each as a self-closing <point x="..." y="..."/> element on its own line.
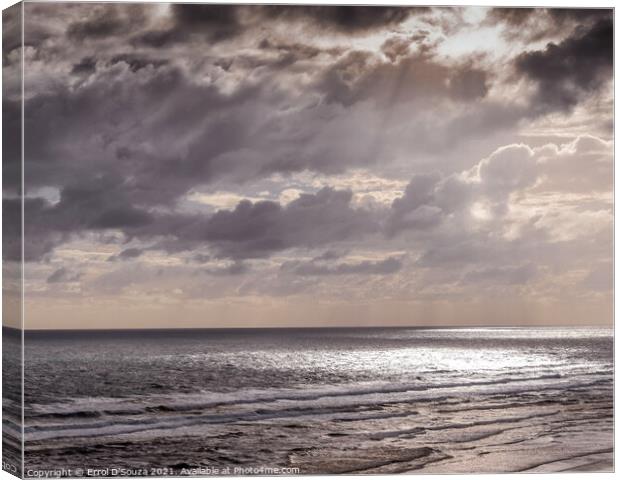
<point x="178" y="329"/>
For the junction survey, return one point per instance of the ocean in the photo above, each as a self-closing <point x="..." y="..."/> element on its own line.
<point x="308" y="401"/>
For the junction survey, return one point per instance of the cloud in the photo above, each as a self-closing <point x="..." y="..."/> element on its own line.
<point x="417" y="77"/>
<point x="11" y="228"/>
<point x="566" y="72"/>
<point x="234" y="268"/>
<point x="97" y="204"/>
<point x="219" y="21"/>
<point x="62" y="275"/>
<point x="345" y="19"/>
<point x="86" y="66"/>
<point x="211" y="23"/>
<point x="267" y="118"/>
<point x="508" y="169"/>
<point x="428" y="200"/>
<point x="381" y="267"/>
<point x="40" y="235"/>
<point x="485" y="190"/>
<point x="258" y="229"/>
<point x="11" y="133"/>
<point x="416" y="209"/>
<point x="501" y="275"/>
<point x="229" y="141"/>
<point x="201" y="258"/>
<point x="562" y="167"/>
<point x="518" y="16"/>
<point x="106" y="21"/>
<point x="137" y="62"/>
<point x="126" y="254"/>
<point x="534" y="24"/>
<point x="11" y="34"/>
<point x="326" y="218"/>
<point x="469" y="83"/>
<point x="399" y="46"/>
<point x="216" y="23"/>
<point x="250" y="230"/>
<point x="330" y="254"/>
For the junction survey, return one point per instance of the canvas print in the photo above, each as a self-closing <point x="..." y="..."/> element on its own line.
<point x="306" y="239"/>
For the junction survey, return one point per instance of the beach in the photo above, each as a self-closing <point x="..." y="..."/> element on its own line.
<point x="310" y="401"/>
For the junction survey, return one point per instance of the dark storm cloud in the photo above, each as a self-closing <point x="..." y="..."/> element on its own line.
<point x="107" y="21"/>
<point x="534" y="24"/>
<point x="381" y="267"/>
<point x="255" y="230"/>
<point x="259" y="229"/>
<point x="94" y="206"/>
<point x="40" y="233"/>
<point x="518" y="17"/>
<point x="217" y="23"/>
<point x="98" y="205"/>
<point x="577" y="66"/>
<point x="346" y="19"/>
<point x="106" y="25"/>
<point x="118" y="126"/>
<point x="213" y="23"/>
<point x="159" y="38"/>
<point x="250" y="230"/>
<point x="86" y="66"/>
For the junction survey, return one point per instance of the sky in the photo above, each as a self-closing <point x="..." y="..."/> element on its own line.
<point x="262" y="166"/>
